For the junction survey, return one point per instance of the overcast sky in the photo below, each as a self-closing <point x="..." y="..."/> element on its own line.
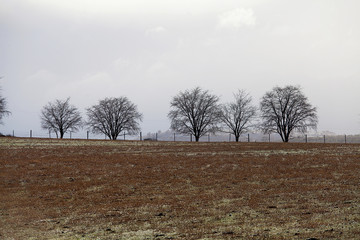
<point x="149" y="50"/>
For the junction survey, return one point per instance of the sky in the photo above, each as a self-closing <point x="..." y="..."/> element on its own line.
<point x="150" y="50"/>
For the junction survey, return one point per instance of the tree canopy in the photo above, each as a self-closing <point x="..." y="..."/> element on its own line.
<point x="237" y="116"/>
<point x="194" y="112"/>
<point x="287" y="109"/>
<point x="3" y="108"/>
<point x="111" y="116"/>
<point x="59" y="117"/>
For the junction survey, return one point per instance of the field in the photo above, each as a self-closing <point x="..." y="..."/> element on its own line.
<point x="78" y="189"/>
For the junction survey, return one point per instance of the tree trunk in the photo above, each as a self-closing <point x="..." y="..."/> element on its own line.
<point x="61" y="134"/>
<point x="282" y="136"/>
<point x="197" y="138"/>
<point x="237" y="138"/>
<point x="287" y="136"/>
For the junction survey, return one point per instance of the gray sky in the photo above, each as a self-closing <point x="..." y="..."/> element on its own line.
<point x="149" y="50"/>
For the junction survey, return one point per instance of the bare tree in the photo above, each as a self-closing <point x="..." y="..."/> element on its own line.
<point x="3" y="108"/>
<point x="237" y="116"/>
<point x="59" y="117"/>
<point x="112" y="116"/>
<point x="284" y="110"/>
<point x="194" y="112"/>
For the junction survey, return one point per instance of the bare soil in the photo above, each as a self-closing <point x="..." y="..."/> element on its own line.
<point x="87" y="189"/>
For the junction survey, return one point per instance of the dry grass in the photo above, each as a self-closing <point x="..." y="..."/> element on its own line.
<point x="76" y="189"/>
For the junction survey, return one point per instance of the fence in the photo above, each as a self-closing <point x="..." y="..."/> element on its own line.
<point x="328" y="139"/>
<point x="170" y="136"/>
<point x="67" y="135"/>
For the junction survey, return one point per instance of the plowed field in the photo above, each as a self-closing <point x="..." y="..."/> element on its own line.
<point x="78" y="189"/>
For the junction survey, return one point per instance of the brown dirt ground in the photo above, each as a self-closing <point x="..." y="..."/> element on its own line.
<point x="78" y="189"/>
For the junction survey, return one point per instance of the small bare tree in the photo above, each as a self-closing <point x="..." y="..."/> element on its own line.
<point x="194" y="112"/>
<point x="3" y="108"/>
<point x="112" y="116"/>
<point x="284" y="110"/>
<point x="237" y="116"/>
<point x="59" y="117"/>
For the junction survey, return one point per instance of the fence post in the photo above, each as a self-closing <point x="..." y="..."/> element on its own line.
<point x="140" y="136"/>
<point x="269" y="137"/>
<point x="124" y="136"/>
<point x="324" y="139"/>
<point x="87" y="135"/>
<point x="49" y="134"/>
<point x="305" y="138"/>
<point x="248" y="137"/>
<point x="174" y="137"/>
<point x="30" y="133"/>
<point x="345" y="138"/>
<point x="209" y="137"/>
<point x="229" y="137"/>
<point x="190" y="137"/>
<point x="13" y="133"/>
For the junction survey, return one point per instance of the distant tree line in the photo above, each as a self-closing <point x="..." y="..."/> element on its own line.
<point x="197" y="112"/>
<point x="110" y="116"/>
<point x="282" y="110"/>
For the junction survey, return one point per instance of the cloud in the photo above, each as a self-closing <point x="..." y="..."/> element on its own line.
<point x="155" y="30"/>
<point x="156" y="68"/>
<point x="121" y="64"/>
<point x="237" y="18"/>
<point x="284" y="30"/>
<point x="43" y="83"/>
<point x="42" y="77"/>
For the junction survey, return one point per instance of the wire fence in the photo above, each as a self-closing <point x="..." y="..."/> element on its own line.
<point x="68" y="135"/>
<point x="175" y="137"/>
<point x="328" y="139"/>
